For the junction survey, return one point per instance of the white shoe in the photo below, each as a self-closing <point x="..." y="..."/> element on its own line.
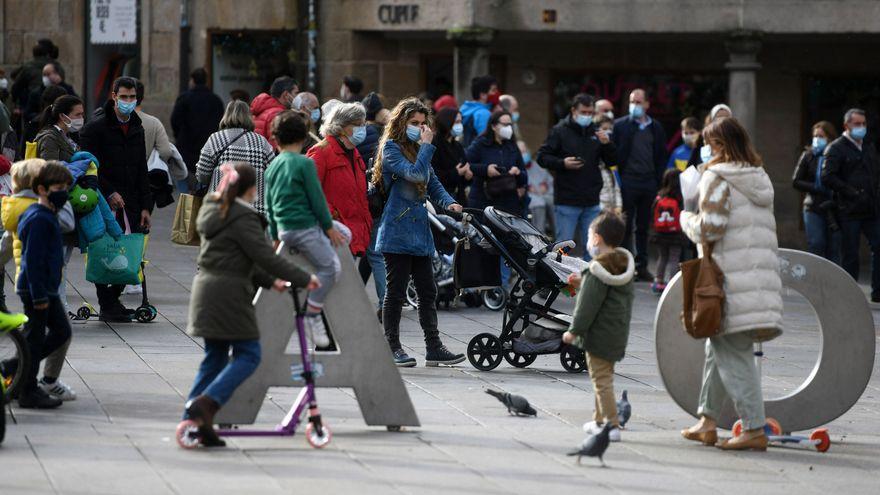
<point x="133" y="289"/>
<point x="318" y="331"/>
<point x="592" y="428"/>
<point x="614" y="434"/>
<point x="58" y="389"/>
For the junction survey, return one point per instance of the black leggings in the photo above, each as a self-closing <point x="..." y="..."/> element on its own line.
<point x="40" y="341"/>
<point x="399" y="267"/>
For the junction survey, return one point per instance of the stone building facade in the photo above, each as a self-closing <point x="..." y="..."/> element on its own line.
<point x="780" y="64"/>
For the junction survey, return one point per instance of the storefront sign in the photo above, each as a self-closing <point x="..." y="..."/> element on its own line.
<point x="398" y="14"/>
<point x="113" y="21"/>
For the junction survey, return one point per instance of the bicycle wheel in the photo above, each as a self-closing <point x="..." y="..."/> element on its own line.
<point x="14" y="359"/>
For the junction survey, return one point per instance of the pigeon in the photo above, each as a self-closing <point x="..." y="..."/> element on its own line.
<point x="594" y="445"/>
<point x="516" y="404"/>
<point x="624" y="410"/>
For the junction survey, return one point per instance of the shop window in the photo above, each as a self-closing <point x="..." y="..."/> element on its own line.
<point x="673" y="96"/>
<point x="248" y="61"/>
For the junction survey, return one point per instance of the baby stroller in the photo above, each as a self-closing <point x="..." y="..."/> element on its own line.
<point x="446" y="232"/>
<point x="530" y="326"/>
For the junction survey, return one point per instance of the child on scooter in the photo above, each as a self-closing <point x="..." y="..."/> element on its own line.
<point x="235" y="256"/>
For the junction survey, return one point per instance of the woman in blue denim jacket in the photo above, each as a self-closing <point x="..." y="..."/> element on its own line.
<point x="403" y="171"/>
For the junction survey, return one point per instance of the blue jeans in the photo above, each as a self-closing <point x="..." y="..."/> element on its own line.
<point x="219" y="376"/>
<point x="569" y="218"/>
<point x="377" y="264"/>
<point x="851" y="233"/>
<point x="183" y="186"/>
<point x="820" y="240"/>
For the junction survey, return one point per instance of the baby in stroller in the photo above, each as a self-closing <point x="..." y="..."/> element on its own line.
<point x="530" y="325"/>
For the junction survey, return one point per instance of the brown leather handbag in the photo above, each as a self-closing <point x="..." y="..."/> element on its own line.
<point x="702" y="282"/>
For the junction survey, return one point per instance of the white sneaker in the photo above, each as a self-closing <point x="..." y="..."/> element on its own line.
<point x="614" y="434"/>
<point x="58" y="389"/>
<point x="318" y="331"/>
<point x="592" y="428"/>
<point x="133" y="289"/>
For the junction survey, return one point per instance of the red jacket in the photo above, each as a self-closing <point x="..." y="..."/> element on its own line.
<point x="264" y="108"/>
<point x="345" y="188"/>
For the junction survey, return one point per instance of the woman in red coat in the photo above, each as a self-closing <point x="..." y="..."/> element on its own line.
<point x="342" y="171"/>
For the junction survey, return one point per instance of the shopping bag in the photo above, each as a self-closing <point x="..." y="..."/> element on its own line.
<point x="116" y="261"/>
<point x="30" y="150"/>
<point x="183" y="229"/>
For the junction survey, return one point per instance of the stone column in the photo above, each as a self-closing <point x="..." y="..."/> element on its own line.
<point x="470" y="58"/>
<point x="743" y="48"/>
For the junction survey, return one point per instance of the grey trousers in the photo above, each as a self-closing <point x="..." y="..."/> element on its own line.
<point x="730" y="371"/>
<point x="316" y="247"/>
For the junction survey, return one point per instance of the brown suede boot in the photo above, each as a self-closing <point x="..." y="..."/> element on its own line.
<point x="202" y="410"/>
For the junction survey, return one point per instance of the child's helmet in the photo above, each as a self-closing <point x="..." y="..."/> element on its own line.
<point x="83" y="200"/>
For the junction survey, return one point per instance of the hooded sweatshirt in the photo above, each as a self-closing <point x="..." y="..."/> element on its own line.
<point x="475" y="117"/>
<point x="736" y="213"/>
<point x="603" y="310"/>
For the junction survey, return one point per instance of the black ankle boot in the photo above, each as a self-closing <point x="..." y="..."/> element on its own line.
<point x="202" y="410"/>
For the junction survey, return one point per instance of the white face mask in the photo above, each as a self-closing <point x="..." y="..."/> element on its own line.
<point x="74" y="125"/>
<point x="46" y="81"/>
<point x="506" y="132"/>
<point x="690" y="138"/>
<point x="706" y="153"/>
<point x="4" y="83"/>
<point x="592" y="248"/>
<point x="609" y="114"/>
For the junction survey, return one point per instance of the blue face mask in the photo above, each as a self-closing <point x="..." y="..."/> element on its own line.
<point x="413" y="133"/>
<point x="358" y="136"/>
<point x="527" y="158"/>
<point x="125" y="108"/>
<point x="514" y="117"/>
<point x="457" y="129"/>
<point x="819" y="144"/>
<point x="706" y="153"/>
<point x="583" y="120"/>
<point x="316" y="115"/>
<point x="858" y="132"/>
<point x="637" y="111"/>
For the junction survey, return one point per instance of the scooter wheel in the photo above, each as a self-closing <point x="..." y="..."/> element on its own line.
<point x="84" y="313"/>
<point x="315" y="439"/>
<point x="143" y="315"/>
<point x="153" y="312"/>
<point x="188" y="434"/>
<point x="773" y="427"/>
<point x="824" y="439"/>
<point x="737" y="428"/>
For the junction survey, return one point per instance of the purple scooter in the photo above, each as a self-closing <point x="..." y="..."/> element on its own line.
<point x="317" y="434"/>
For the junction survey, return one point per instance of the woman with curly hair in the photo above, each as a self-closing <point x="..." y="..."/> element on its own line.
<point x="403" y="172"/>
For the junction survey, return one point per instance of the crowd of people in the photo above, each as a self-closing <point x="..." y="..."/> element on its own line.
<point x="352" y="176"/>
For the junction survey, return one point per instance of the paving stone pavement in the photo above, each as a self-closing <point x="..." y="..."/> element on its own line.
<point x="117" y="437"/>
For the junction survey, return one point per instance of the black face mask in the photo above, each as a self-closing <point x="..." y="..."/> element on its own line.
<point x="58" y="199"/>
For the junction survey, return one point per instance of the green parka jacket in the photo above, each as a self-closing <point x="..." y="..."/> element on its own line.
<point x="604" y="305"/>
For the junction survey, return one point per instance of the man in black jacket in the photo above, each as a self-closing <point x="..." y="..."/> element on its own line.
<point x="196" y="115"/>
<point x="641" y="149"/>
<point x="852" y="171"/>
<point x="572" y="151"/>
<point x="116" y="138"/>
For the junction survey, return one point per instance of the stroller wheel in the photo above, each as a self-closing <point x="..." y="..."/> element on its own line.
<point x="484" y="352"/>
<point x="411" y="296"/>
<point x="519" y="360"/>
<point x="495" y="299"/>
<point x="573" y="360"/>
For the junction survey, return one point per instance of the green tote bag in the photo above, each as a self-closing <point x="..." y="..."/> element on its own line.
<point x="112" y="261"/>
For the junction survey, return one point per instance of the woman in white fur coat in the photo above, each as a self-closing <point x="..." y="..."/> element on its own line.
<point x="736" y="213"/>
